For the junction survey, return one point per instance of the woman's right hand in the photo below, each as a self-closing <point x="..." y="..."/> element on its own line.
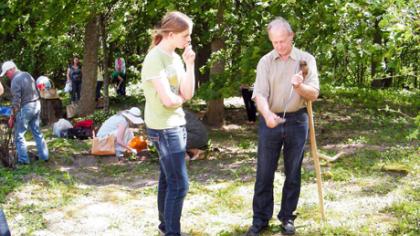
<point x="188" y="56"/>
<point x="132" y="150"/>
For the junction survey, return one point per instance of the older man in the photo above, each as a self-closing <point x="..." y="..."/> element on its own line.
<point x="280" y="92"/>
<point x="26" y="111"/>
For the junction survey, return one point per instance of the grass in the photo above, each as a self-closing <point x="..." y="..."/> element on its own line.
<point x="372" y="190"/>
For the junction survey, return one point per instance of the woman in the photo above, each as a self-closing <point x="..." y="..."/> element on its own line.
<point x="167" y="85"/>
<point x="74" y="75"/>
<point x="118" y="125"/>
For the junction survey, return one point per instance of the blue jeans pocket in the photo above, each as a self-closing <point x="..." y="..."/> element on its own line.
<point x="302" y="119"/>
<point x="168" y="141"/>
<point x="153" y="138"/>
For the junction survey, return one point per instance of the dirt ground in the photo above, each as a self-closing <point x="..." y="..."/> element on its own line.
<point x="112" y="197"/>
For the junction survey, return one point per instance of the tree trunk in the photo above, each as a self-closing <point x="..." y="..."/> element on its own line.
<point x="105" y="63"/>
<point x="51" y="110"/>
<point x="215" y="108"/>
<point x="89" y="69"/>
<point x="215" y="113"/>
<point x="377" y="39"/>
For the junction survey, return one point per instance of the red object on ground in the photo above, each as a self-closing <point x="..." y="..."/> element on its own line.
<point x="84" y="124"/>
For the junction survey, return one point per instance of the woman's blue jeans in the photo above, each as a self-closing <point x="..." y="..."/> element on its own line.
<point x="76" y="86"/>
<point x="173" y="179"/>
<point x="291" y="136"/>
<point x="29" y="117"/>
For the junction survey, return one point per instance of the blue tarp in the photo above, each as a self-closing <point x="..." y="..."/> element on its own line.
<point x="5" y="111"/>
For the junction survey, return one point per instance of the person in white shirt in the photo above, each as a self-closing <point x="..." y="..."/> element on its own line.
<point x="118" y="125"/>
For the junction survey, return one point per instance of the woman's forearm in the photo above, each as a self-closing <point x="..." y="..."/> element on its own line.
<point x="188" y="83"/>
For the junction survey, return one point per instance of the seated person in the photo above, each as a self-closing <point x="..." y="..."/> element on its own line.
<point x="197" y="136"/>
<point x="118" y="125"/>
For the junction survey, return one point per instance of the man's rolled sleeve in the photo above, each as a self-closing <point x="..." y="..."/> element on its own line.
<point x="312" y="78"/>
<point x="261" y="87"/>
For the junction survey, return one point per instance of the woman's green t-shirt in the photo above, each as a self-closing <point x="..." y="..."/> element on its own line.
<point x="158" y="64"/>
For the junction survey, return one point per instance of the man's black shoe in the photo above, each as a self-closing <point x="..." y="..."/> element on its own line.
<point x="20" y="163"/>
<point x="161" y="231"/>
<point x="287" y="227"/>
<point x="36" y="157"/>
<point x="253" y="231"/>
<point x="250" y="232"/>
<point x="33" y="156"/>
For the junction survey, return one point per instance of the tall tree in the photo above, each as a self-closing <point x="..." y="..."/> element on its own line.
<point x="215" y="107"/>
<point x="90" y="65"/>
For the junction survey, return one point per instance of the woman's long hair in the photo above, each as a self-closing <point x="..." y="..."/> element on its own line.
<point x="72" y="61"/>
<point x="173" y="21"/>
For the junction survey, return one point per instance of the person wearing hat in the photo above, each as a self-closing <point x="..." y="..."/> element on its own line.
<point x="26" y="110"/>
<point x="118" y="125"/>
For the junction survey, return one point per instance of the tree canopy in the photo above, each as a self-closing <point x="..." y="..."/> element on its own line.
<point x="354" y="42"/>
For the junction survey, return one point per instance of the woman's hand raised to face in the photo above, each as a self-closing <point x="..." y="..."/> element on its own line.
<point x="188" y="56"/>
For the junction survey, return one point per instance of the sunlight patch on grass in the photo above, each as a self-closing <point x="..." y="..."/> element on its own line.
<point x="363" y="195"/>
<point x="115" y="194"/>
<point x="225" y="198"/>
<point x="408" y="215"/>
<point x="357" y="140"/>
<point x="31" y="201"/>
<point x="380" y="186"/>
<point x="110" y="210"/>
<point x="225" y="206"/>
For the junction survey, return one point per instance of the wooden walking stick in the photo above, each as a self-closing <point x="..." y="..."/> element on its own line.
<point x="314" y="150"/>
<point x="314" y="153"/>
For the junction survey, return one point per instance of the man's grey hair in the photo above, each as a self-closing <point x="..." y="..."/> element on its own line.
<point x="279" y="22"/>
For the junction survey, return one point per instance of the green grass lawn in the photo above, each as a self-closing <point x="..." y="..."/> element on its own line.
<point x="373" y="189"/>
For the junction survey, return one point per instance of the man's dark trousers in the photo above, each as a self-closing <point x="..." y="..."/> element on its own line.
<point x="291" y="136"/>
